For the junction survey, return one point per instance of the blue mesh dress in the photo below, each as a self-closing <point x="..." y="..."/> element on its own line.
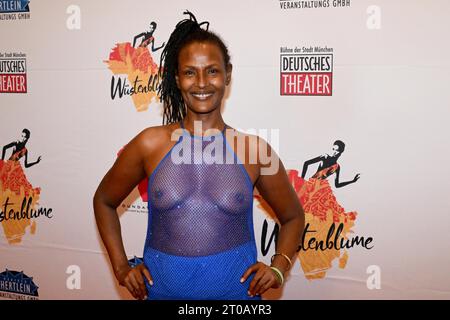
<point x="200" y="237"/>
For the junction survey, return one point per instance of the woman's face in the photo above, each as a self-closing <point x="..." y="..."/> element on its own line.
<point x="23" y="138"/>
<point x="336" y="151"/>
<point x="202" y="76"/>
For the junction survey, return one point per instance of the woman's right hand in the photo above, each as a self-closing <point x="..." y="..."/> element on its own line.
<point x="133" y="280"/>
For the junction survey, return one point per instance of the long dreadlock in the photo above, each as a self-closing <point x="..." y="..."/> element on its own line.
<point x="186" y="31"/>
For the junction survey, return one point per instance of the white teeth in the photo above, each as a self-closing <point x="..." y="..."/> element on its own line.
<point x="202" y="95"/>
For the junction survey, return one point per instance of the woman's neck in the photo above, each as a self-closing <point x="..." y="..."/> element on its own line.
<point x="203" y="122"/>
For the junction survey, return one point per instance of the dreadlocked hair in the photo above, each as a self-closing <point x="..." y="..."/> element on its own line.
<point x="186" y="31"/>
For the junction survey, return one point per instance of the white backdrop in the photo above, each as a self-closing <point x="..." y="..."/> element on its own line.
<point x="389" y="104"/>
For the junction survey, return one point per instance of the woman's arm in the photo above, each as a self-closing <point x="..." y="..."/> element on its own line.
<point x="281" y="197"/>
<point x="339" y="184"/>
<point x="12" y="144"/>
<point x="137" y="37"/>
<point x="27" y="165"/>
<point x="307" y="163"/>
<point x="119" y="181"/>
<point x="153" y="46"/>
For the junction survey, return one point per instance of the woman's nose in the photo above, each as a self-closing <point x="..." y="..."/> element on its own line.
<point x="201" y="80"/>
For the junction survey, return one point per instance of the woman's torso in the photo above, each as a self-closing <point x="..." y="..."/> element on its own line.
<point x="18" y="152"/>
<point x="200" y="237"/>
<point x="199" y="205"/>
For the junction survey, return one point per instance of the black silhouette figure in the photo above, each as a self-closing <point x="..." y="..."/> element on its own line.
<point x="329" y="165"/>
<point x="19" y="149"/>
<point x="148" y="38"/>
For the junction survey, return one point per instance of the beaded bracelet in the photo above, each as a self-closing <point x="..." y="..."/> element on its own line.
<point x="283" y="255"/>
<point x="278" y="274"/>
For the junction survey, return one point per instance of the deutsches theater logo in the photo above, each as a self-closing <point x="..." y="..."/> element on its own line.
<point x="18" y="286"/>
<point x="13" y="72"/>
<point x="306" y="71"/>
<point x="14" y="9"/>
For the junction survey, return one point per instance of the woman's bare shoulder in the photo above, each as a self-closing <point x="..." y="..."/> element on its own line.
<point x="155" y="137"/>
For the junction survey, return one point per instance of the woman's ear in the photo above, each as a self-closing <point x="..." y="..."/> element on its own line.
<point x="228" y="76"/>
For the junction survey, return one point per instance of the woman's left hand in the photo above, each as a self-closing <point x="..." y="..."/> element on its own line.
<point x="263" y="280"/>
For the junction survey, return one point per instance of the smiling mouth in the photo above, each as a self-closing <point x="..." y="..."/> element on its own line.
<point x="202" y="96"/>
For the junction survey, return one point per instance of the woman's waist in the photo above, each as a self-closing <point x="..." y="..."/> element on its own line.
<point x="245" y="249"/>
<point x="198" y="242"/>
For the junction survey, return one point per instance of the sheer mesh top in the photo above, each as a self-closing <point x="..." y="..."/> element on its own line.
<point x="200" y="198"/>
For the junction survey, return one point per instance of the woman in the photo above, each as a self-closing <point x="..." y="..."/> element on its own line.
<point x="148" y="38"/>
<point x="322" y="210"/>
<point x="12" y="176"/>
<point x="328" y="165"/>
<point x="19" y="150"/>
<point x="14" y="186"/>
<point x="140" y="58"/>
<point x="200" y="240"/>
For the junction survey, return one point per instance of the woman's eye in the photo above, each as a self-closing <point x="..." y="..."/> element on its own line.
<point x="188" y="72"/>
<point x="213" y="71"/>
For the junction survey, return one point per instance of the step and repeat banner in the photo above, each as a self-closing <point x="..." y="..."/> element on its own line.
<point x="359" y="88"/>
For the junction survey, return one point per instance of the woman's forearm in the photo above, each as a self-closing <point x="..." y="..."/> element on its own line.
<point x="289" y="238"/>
<point x="108" y="225"/>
